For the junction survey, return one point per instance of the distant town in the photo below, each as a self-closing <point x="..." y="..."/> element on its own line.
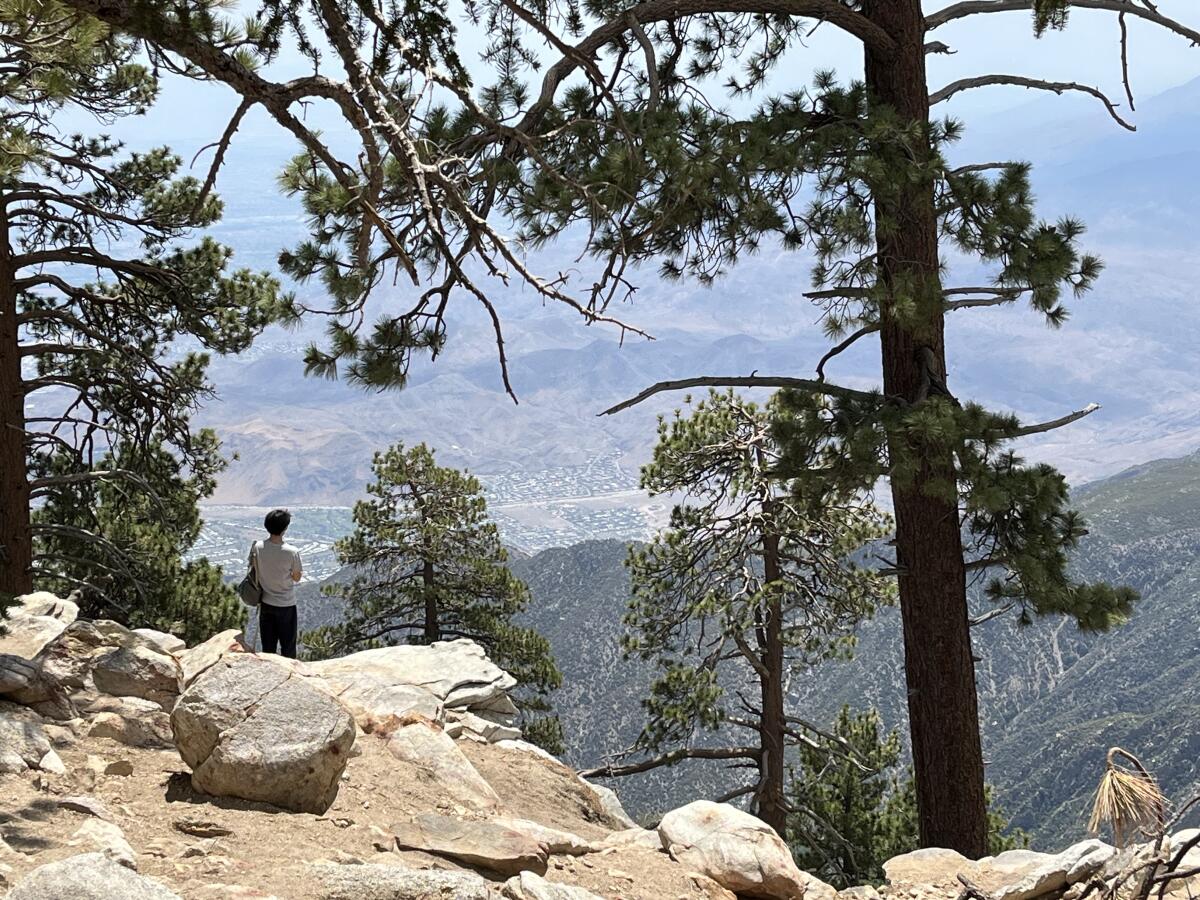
<point x="552" y="507"/>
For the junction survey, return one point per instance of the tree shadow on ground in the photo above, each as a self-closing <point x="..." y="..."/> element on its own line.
<point x="16" y="826"/>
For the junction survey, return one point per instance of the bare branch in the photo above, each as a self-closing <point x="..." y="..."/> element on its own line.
<point x="1055" y="423"/>
<point x="651" y="62"/>
<point x="1057" y="87"/>
<point x="843" y="346"/>
<point x="998" y="297"/>
<point x="736" y="792"/>
<point x="222" y="148"/>
<point x="974" y="7"/>
<point x="980" y="167"/>
<point x="672" y="757"/>
<point x="751" y="381"/>
<point x="1125" y="60"/>
<point x="990" y="614"/>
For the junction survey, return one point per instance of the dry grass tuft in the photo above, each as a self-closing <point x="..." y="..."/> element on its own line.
<point x="1128" y="799"/>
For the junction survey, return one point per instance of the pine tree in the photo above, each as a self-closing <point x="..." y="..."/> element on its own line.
<point x="96" y="290"/>
<point x="749" y="584"/>
<point x="136" y="574"/>
<point x="632" y="140"/>
<point x="854" y="807"/>
<point x="427" y="565"/>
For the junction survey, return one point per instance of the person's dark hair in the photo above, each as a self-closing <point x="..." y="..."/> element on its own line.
<point x="277" y="521"/>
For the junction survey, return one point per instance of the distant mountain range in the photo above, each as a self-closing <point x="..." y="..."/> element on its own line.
<point x="1052" y="699"/>
<point x="1129" y="345"/>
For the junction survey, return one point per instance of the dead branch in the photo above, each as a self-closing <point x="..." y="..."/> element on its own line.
<point x="975" y="7"/>
<point x="1042" y="427"/>
<point x="674" y="756"/>
<point x="1057" y="87"/>
<point x="750" y="381"/>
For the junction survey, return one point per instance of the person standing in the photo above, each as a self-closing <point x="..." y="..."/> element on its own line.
<point x="278" y="568"/>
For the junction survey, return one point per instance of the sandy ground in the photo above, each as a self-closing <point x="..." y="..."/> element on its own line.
<point x="205" y="848"/>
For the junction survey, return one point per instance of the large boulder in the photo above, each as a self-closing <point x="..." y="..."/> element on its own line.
<point x="528" y="886"/>
<point x="23" y="740"/>
<point x="392" y="882"/>
<point x="394" y="681"/>
<point x="251" y="728"/>
<point x="484" y="844"/>
<point x="1024" y="874"/>
<point x="36" y="620"/>
<point x="90" y="658"/>
<point x="89" y="876"/>
<point x="929" y="865"/>
<point x="129" y="720"/>
<point x="735" y="849"/>
<point x="165" y="641"/>
<point x="203" y="656"/>
<point x="139" y="671"/>
<point x="438" y="763"/>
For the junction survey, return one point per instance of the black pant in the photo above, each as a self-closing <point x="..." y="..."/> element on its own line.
<point x="277" y="625"/>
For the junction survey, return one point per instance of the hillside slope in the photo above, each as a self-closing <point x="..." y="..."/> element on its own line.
<point x="1052" y="699"/>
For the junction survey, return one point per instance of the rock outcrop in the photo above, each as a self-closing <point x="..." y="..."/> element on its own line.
<point x="144" y="671"/>
<point x="23" y="740"/>
<point x="130" y="721"/>
<point x="35" y="621"/>
<point x="85" y="660"/>
<point x="250" y="729"/>
<point x="89" y="876"/>
<point x="409" y="771"/>
<point x="393" y="682"/>
<point x="430" y="751"/>
<point x="482" y="843"/>
<point x="1012" y="875"/>
<point x="735" y="849"/>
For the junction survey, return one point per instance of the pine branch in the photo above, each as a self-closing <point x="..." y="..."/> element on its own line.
<point x="751" y="381"/>
<point x="1057" y="87"/>
<point x="651" y="11"/>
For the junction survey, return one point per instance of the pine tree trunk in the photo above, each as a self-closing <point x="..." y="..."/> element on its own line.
<point x="942" y="700"/>
<point x="433" y="631"/>
<point x="16" y="550"/>
<point x="772" y="807"/>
